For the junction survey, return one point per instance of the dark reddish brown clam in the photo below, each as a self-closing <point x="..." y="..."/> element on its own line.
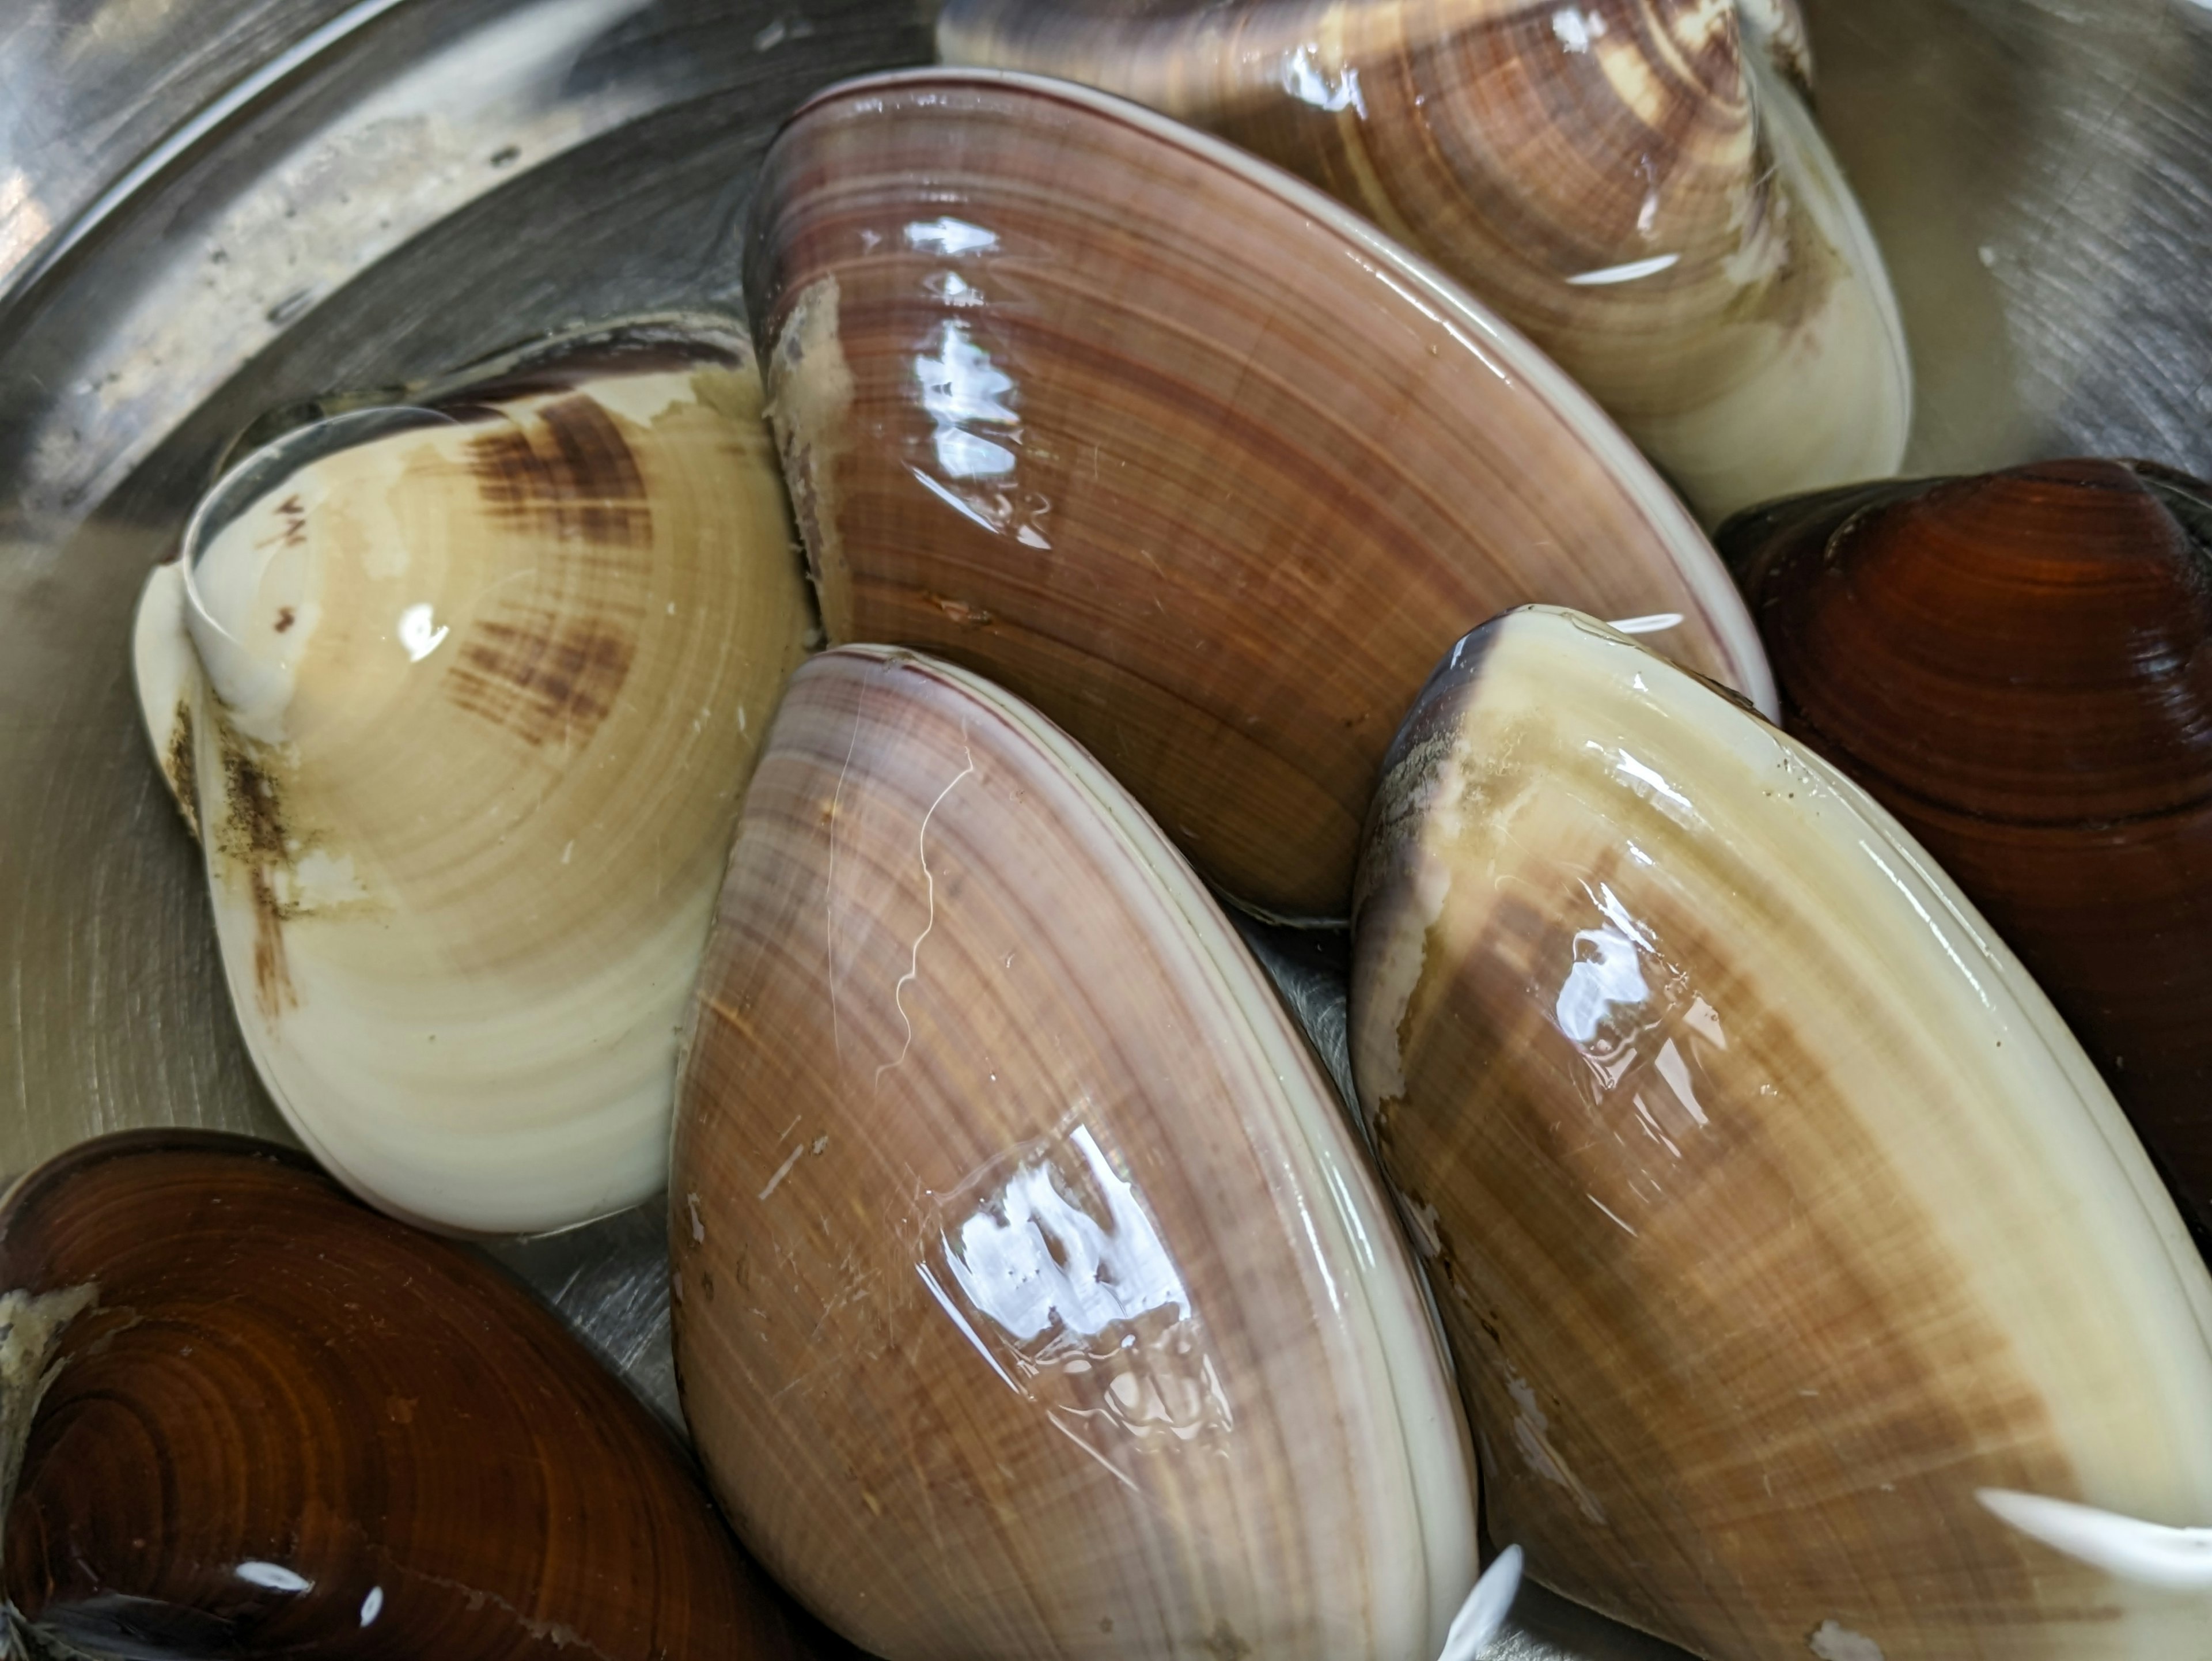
<point x="2020" y="667"/>
<point x="273" y="1422"/>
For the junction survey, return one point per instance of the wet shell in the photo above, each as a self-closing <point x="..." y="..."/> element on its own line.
<point x="1180" y="451"/>
<point x="2020" y="667"/>
<point x="1772" y="1212"/>
<point x="269" y="1423"/>
<point x="1033" y="1300"/>
<point x="1632" y="183"/>
<point x="462" y="697"/>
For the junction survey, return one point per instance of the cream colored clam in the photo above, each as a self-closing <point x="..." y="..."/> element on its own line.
<point x="1773" y="1214"/>
<point x="1033" y="1296"/>
<point x="462" y="698"/>
<point x="1637" y="185"/>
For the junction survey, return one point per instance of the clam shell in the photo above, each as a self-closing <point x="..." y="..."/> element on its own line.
<point x="1179" y="450"/>
<point x="1634" y="184"/>
<point x="246" y="1416"/>
<point x="1033" y="1298"/>
<point x="465" y="694"/>
<point x="1772" y="1213"/>
<point x="2016" y="666"/>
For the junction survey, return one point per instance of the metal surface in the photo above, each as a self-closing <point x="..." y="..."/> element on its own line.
<point x="2039" y="175"/>
<point x="210" y="209"/>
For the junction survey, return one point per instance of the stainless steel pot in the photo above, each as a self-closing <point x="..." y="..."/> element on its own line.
<point x="211" y="207"/>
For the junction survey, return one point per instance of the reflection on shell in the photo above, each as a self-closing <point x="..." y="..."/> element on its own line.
<point x="1772" y="1213"/>
<point x="247" y="1417"/>
<point x="1178" y="450"/>
<point x="1633" y="183"/>
<point x="464" y="695"/>
<point x="2018" y="667"/>
<point x="1032" y="1296"/>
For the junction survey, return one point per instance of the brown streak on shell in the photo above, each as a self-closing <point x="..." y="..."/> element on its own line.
<point x="569" y="473"/>
<point x="545" y="677"/>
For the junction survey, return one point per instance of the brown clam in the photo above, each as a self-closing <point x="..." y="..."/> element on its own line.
<point x="1033" y="1298"/>
<point x="1635" y="183"/>
<point x="1774" y="1215"/>
<point x="245" y="1416"/>
<point x="2020" y="667"/>
<point x="1179" y="450"/>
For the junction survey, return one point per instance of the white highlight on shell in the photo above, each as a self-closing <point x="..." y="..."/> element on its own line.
<point x="1834" y="1642"/>
<point x="960" y="387"/>
<point x="1486" y="1607"/>
<point x="273" y="1576"/>
<point x="1610" y="978"/>
<point x="1606" y="275"/>
<point x="1610" y="1211"/>
<point x="2149" y="1554"/>
<point x="950" y="235"/>
<point x="372" y="1606"/>
<point x="1651" y="623"/>
<point x="1035" y="1261"/>
<point x="1306" y="79"/>
<point x="1573" y="28"/>
<point x="1934" y="929"/>
<point x="419" y="633"/>
<point x="1655" y="788"/>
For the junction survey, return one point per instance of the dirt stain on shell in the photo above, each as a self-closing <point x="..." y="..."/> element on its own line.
<point x="810" y="400"/>
<point x="179" y="763"/>
<point x="254" y="834"/>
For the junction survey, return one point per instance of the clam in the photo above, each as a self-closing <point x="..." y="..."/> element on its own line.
<point x="2020" y="667"/>
<point x="462" y="695"/>
<point x="245" y="1416"/>
<point x="1179" y="450"/>
<point x="1032" y="1298"/>
<point x="1773" y="1214"/>
<point x="1634" y="184"/>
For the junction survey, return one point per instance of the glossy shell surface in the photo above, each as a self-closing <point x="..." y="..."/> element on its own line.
<point x="1772" y="1212"/>
<point x="462" y="696"/>
<point x="1033" y="1297"/>
<point x="1636" y="184"/>
<point x="1179" y="450"/>
<point x="2020" y="667"/>
<point x="276" y="1423"/>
